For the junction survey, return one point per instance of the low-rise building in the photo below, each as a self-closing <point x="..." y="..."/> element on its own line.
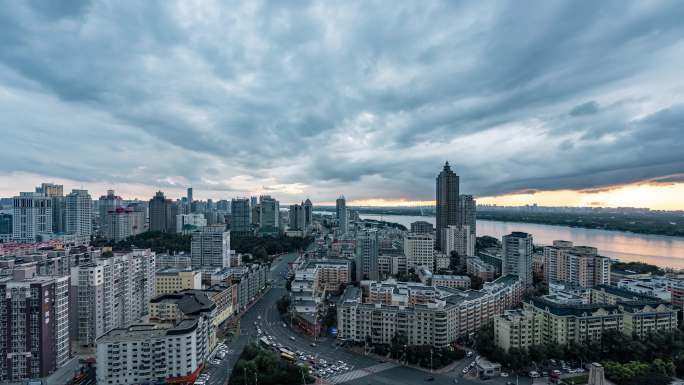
<point x="479" y="268"/>
<point x="171" y="280"/>
<point x="425" y="315"/>
<point x="547" y="320"/>
<point x="445" y="280"/>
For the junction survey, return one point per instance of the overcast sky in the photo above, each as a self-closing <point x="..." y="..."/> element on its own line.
<point x="366" y="99"/>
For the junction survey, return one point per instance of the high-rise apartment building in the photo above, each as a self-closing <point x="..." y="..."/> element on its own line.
<point x="308" y="214"/>
<point x="297" y="217"/>
<point x="210" y="247"/>
<point x="162" y="213"/>
<point x="576" y="265"/>
<point x="447" y="201"/>
<point x="31" y="217"/>
<point x="458" y="239"/>
<point x="105" y="204"/>
<point x="189" y="196"/>
<point x="34" y="319"/>
<point x="110" y="292"/>
<point x="269" y="215"/>
<point x="342" y="214"/>
<point x="240" y="217"/>
<point x="517" y="256"/>
<point x="419" y="250"/>
<point x="56" y="193"/>
<point x="467" y="212"/>
<point x="79" y="213"/>
<point x="367" y="255"/>
<point x="123" y="222"/>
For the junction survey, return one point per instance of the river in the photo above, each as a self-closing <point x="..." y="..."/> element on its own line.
<point x="659" y="250"/>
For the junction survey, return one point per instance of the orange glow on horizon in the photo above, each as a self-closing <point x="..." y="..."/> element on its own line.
<point x="648" y="195"/>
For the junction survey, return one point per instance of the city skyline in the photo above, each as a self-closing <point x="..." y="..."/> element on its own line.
<point x="261" y="105"/>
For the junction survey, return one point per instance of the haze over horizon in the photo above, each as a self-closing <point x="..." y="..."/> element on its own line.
<point x="575" y="104"/>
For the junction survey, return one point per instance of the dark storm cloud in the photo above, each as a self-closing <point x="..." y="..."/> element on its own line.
<point x="362" y="98"/>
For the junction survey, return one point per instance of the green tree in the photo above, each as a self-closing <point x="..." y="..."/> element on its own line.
<point x="283" y="304"/>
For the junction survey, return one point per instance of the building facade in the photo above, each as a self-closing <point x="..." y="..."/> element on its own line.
<point x="342" y="214"/>
<point x="419" y="250"/>
<point x="34" y="319"/>
<point x="171" y="280"/>
<point x="79" y="213"/>
<point x="210" y="247"/>
<point x="110" y="292"/>
<point x="517" y="256"/>
<point x="31" y="217"/>
<point x="367" y="255"/>
<point x="447" y="196"/>
<point x="424" y="315"/>
<point x="240" y="217"/>
<point x="467" y="212"/>
<point x="575" y="265"/>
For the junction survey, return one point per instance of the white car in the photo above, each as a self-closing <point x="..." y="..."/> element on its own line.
<point x="504" y="374"/>
<point x="292" y="338"/>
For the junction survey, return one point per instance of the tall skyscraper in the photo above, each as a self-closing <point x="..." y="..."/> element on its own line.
<point x="79" y="213"/>
<point x="467" y="212"/>
<point x="308" y="214"/>
<point x="34" y="319"/>
<point x="189" y="195"/>
<point x="163" y="213"/>
<point x="517" y="256"/>
<point x="256" y="211"/>
<point x="105" y="204"/>
<point x="341" y="210"/>
<point x="447" y="201"/>
<point x="31" y="217"/>
<point x="56" y="193"/>
<point x="241" y="217"/>
<point x="210" y="247"/>
<point x="367" y="255"/>
<point x="297" y="218"/>
<point x="269" y="215"/>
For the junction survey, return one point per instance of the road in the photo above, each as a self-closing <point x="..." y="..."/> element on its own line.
<point x="362" y="369"/>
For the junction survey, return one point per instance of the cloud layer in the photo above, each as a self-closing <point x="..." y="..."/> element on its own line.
<point x="362" y="98"/>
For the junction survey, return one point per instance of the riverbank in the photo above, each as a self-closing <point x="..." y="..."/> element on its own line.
<point x="659" y="250"/>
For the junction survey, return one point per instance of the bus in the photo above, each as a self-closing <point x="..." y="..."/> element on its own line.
<point x="285" y="351"/>
<point x="264" y="341"/>
<point x="288" y="357"/>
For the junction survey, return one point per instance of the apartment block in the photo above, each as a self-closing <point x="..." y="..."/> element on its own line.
<point x="576" y="265"/>
<point x="424" y="314"/>
<point x="419" y="250"/>
<point x="34" y="319"/>
<point x="145" y="353"/>
<point x="547" y="320"/>
<point x="210" y="247"/>
<point x="110" y="292"/>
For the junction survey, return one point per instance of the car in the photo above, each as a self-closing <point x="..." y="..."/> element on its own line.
<point x="292" y="338"/>
<point x="510" y="383"/>
<point x="466" y="370"/>
<point x="284" y="325"/>
<point x="430" y="379"/>
<point x="313" y="344"/>
<point x="258" y="317"/>
<point x="469" y="354"/>
<point x="504" y="374"/>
